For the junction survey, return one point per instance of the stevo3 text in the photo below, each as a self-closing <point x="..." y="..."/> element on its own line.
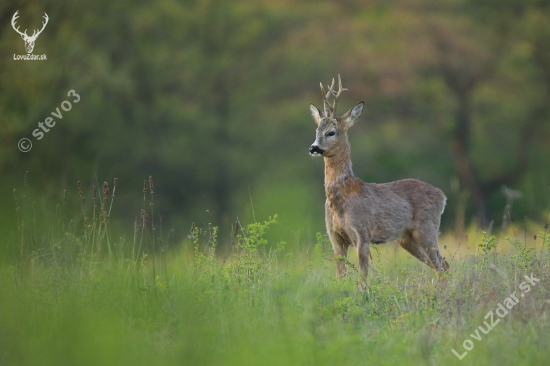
<point x="49" y="122"/>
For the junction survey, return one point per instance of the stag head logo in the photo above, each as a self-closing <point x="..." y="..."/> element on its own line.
<point x="29" y="40"/>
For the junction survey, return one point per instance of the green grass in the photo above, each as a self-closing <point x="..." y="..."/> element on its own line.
<point x="80" y="297"/>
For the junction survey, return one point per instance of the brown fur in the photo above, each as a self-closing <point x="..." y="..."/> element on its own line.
<point x="359" y="213"/>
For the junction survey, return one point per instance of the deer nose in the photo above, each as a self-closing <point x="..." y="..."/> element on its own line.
<point x="315" y="149"/>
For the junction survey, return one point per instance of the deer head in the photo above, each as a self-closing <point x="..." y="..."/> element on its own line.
<point x="331" y="130"/>
<point x="29" y="41"/>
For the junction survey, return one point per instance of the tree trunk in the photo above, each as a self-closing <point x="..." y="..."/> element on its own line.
<point x="460" y="144"/>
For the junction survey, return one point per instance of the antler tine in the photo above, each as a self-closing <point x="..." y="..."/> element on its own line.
<point x="326" y="105"/>
<point x="340" y="89"/>
<point x="330" y="110"/>
<point x="330" y="87"/>
<point x="45" y="16"/>
<point x="324" y="98"/>
<point x="335" y="94"/>
<point x="15" y="16"/>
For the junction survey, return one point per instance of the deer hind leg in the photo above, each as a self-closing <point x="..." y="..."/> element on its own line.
<point x="422" y="243"/>
<point x="340" y="246"/>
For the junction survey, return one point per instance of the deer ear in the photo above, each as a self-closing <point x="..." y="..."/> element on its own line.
<point x="352" y="115"/>
<point x="316" y="114"/>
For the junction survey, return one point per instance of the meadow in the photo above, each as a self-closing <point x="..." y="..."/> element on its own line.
<point x="77" y="294"/>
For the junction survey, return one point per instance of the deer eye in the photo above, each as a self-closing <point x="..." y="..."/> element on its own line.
<point x="331" y="133"/>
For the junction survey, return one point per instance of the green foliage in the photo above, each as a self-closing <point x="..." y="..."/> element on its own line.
<point x="545" y="237"/>
<point x="205" y="260"/>
<point x="323" y="249"/>
<point x="524" y="254"/>
<point x="252" y="261"/>
<point x="251" y="306"/>
<point x="218" y="108"/>
<point x="487" y="242"/>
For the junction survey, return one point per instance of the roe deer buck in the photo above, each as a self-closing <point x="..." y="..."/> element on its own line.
<point x="359" y="213"/>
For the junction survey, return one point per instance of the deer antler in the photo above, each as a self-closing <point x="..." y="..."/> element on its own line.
<point x="35" y="34"/>
<point x="330" y="110"/>
<point x="24" y="34"/>
<point x="15" y="16"/>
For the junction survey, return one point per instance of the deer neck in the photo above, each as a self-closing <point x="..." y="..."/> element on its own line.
<point x="338" y="176"/>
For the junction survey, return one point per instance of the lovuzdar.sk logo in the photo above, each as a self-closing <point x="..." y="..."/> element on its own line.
<point x="29" y="40"/>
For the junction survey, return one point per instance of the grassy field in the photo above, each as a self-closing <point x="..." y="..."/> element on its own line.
<point x="80" y="295"/>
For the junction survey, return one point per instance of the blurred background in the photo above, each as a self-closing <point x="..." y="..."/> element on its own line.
<point x="210" y="98"/>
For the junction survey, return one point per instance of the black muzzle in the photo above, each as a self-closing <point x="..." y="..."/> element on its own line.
<point x="315" y="149"/>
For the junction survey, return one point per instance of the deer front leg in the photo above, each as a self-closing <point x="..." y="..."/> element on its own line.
<point x="362" y="242"/>
<point x="340" y="247"/>
<point x="363" y="252"/>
